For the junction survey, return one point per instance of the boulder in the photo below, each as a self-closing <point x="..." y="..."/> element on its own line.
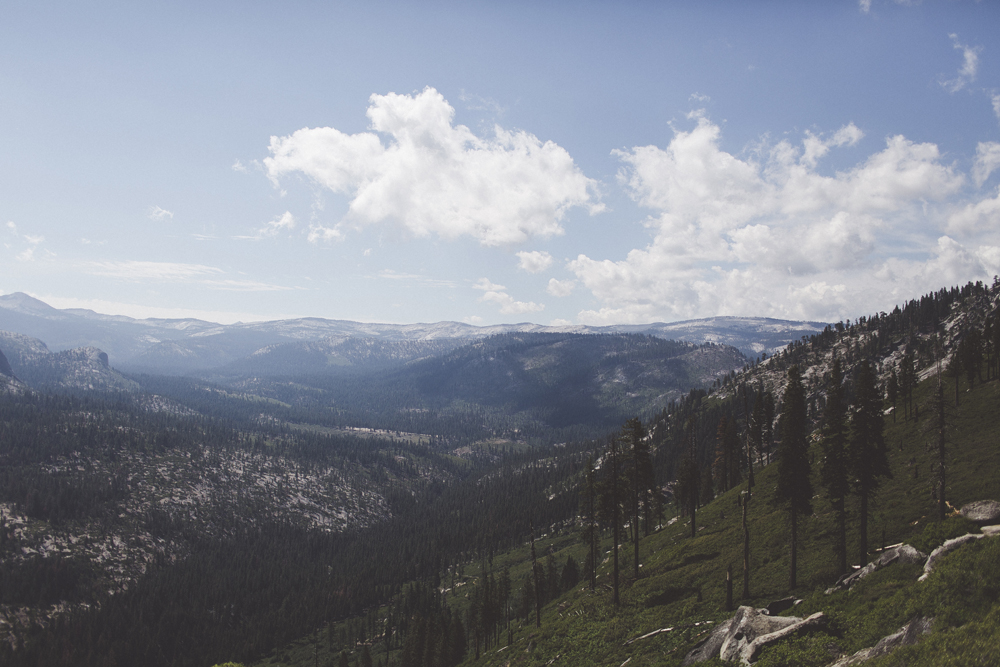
<point x="907" y="636"/>
<point x="744" y="635"/>
<point x="948" y="546"/>
<point x="781" y="605"/>
<point x="983" y="512"/>
<point x="990" y="531"/>
<point x="752" y="650"/>
<point x="904" y="553"/>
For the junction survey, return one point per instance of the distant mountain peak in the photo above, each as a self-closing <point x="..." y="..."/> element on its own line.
<point x="25" y="303"/>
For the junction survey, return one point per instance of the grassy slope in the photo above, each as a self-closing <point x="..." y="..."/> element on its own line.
<point x="683" y="579"/>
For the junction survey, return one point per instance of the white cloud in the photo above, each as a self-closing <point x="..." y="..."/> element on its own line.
<point x="26" y="255"/>
<point x="508" y="306"/>
<point x="285" y="221"/>
<point x="977" y="216"/>
<point x="239" y="166"/>
<point x="773" y="236"/>
<point x="815" y="147"/>
<point x="865" y="5"/>
<point x="970" y="65"/>
<point x="487" y="286"/>
<point x="389" y="274"/>
<point x="164" y="271"/>
<point x="159" y="214"/>
<point x="698" y="97"/>
<point x="435" y="177"/>
<point x="558" y="322"/>
<point x="560" y="287"/>
<point x="996" y="105"/>
<point x="987" y="160"/>
<point x="535" y="261"/>
<point x="12" y="227"/>
<point x="319" y="233"/>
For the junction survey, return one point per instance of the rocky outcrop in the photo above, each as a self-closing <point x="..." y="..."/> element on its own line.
<point x="907" y="636"/>
<point x="948" y="546"/>
<point x="904" y="553"/>
<point x="784" y="604"/>
<point x="5" y="368"/>
<point x="983" y="512"/>
<point x="746" y="634"/>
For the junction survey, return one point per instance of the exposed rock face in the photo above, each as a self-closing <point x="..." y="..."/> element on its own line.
<point x="907" y="636"/>
<point x="744" y="635"/>
<point x="904" y="553"/>
<point x="983" y="512"/>
<point x="948" y="546"/>
<point x="5" y="368"/>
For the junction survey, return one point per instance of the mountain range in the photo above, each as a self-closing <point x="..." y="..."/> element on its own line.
<point x="188" y="346"/>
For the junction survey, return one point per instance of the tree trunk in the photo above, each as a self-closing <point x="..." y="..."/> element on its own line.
<point x="863" y="560"/>
<point x="791" y="576"/>
<point x="746" y="548"/>
<point x="842" y="530"/>
<point x="534" y="575"/>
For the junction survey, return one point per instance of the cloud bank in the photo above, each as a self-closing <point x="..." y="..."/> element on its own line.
<point x="775" y="236"/>
<point x="435" y="177"/>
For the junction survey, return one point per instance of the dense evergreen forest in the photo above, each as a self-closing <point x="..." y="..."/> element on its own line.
<point x="445" y="536"/>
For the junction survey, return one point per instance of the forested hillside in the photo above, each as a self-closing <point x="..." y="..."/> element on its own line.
<point x="894" y="415"/>
<point x="526" y="499"/>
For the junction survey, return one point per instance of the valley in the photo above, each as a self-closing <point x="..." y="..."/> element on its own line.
<point x="358" y="498"/>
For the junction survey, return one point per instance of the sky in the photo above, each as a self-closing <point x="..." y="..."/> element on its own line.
<point x="558" y="162"/>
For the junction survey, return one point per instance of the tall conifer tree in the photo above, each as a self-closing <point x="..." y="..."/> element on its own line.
<point x="794" y="488"/>
<point x="834" y="471"/>
<point x="867" y="456"/>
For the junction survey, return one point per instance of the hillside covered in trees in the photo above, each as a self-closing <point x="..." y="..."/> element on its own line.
<point x="207" y="522"/>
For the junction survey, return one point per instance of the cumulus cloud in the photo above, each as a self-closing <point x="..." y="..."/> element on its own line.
<point x="560" y="287"/>
<point x="970" y="65"/>
<point x="535" y="261"/>
<point x="319" y="233"/>
<point x="497" y="294"/>
<point x="976" y="216"/>
<point x="987" y="160"/>
<point x="435" y="177"/>
<point x="159" y="214"/>
<point x="774" y="235"/>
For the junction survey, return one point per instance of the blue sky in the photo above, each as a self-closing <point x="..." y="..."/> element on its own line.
<point x="498" y="162"/>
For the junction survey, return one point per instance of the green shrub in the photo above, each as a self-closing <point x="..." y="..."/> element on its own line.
<point x="936" y="532"/>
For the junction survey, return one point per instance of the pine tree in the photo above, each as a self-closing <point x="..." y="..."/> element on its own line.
<point x="834" y="471"/>
<point x="892" y="391"/>
<point x="867" y="456"/>
<point x="794" y="488"/>
<point x="689" y="479"/>
<point x="939" y="408"/>
<point x="612" y="490"/>
<point x="768" y="424"/>
<point x="641" y="477"/>
<point x="756" y="428"/>
<point x="590" y="534"/>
